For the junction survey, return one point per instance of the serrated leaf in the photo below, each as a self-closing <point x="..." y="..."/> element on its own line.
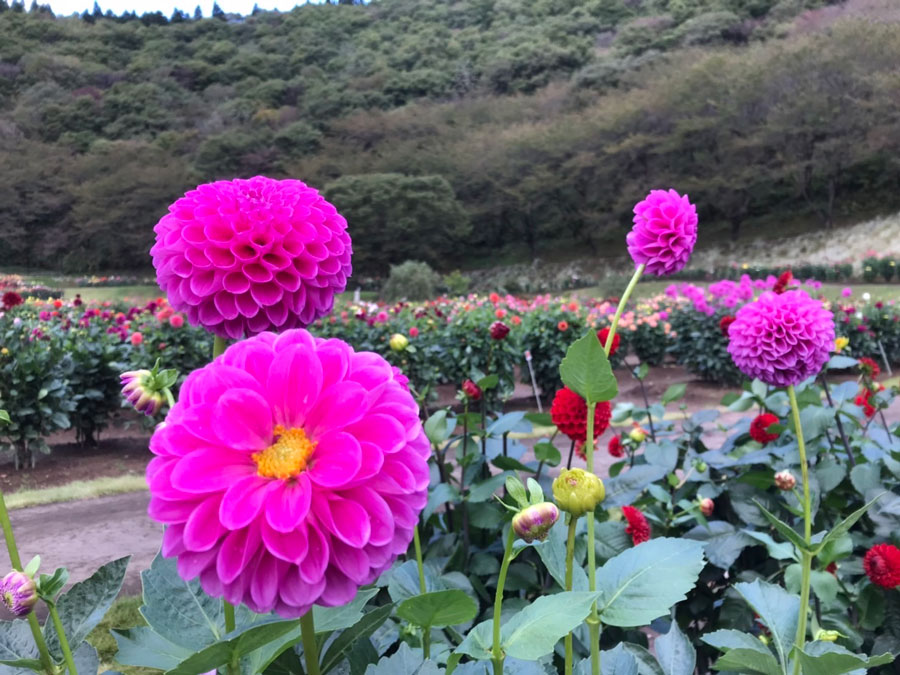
<point x="327" y="619"/>
<point x="534" y="631"/>
<point x="723" y="542"/>
<point x="144" y="647"/>
<point x="783" y="528"/>
<point x="16" y="642"/>
<point x="484" y="490"/>
<point x="436" y="428"/>
<point x="748" y="661"/>
<point x="642" y="583"/>
<point x="516" y="490"/>
<point x="535" y="491"/>
<point x="674" y="392"/>
<point x="546" y="452"/>
<point x="238" y="643"/>
<point x="844" y="526"/>
<point x="586" y="370"/>
<point x="777" y="609"/>
<point x="404" y="661"/>
<point x="361" y="630"/>
<point x="675" y="653"/>
<point x="438" y="609"/>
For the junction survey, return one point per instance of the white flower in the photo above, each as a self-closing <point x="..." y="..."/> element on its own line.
<point x="866" y="297"/>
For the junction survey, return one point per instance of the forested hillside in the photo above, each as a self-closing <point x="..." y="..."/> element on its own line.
<point x="447" y="129"/>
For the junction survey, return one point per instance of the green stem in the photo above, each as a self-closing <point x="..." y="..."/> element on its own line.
<point x="418" y="546"/>
<point x="621" y="308"/>
<point x="497" y="655"/>
<point x="308" y="637"/>
<point x="807" y="531"/>
<point x="16" y="562"/>
<point x="570" y="556"/>
<point x="593" y="621"/>
<point x="219" y="346"/>
<point x="229" y="617"/>
<point x="63" y="641"/>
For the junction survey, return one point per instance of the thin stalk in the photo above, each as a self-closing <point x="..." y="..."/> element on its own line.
<point x="840" y="425"/>
<point x="418" y="546"/>
<point x="219" y="346"/>
<point x="806" y="561"/>
<point x="497" y="655"/>
<point x="621" y="308"/>
<point x="593" y="621"/>
<point x="570" y="557"/>
<point x="63" y="641"/>
<point x="229" y="617"/>
<point x="16" y="562"/>
<point x="646" y="400"/>
<point x="571" y="454"/>
<point x="308" y="637"/>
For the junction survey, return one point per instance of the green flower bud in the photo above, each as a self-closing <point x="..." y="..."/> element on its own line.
<point x="534" y="522"/>
<point x="399" y="342"/>
<point x="827" y="635"/>
<point x="576" y="491"/>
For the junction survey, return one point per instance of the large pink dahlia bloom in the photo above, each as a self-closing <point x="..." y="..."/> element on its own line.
<point x="291" y="471"/>
<point x="781" y="339"/>
<point x="245" y="256"/>
<point x="664" y="232"/>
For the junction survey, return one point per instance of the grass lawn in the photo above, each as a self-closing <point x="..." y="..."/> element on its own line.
<point x="80" y="489"/>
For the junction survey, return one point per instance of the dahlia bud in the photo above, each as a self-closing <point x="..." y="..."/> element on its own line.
<point x="19" y="592"/>
<point x="499" y="330"/>
<point x="707" y="506"/>
<point x="785" y="480"/>
<point x="399" y="342"/>
<point x="576" y="491"/>
<point x="534" y="522"/>
<point x="148" y="390"/>
<point x="637" y="434"/>
<point x="700" y="465"/>
<point x="471" y="390"/>
<point x="827" y="635"/>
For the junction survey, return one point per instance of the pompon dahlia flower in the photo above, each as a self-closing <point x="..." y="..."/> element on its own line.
<point x="664" y="232"/>
<point x="781" y="339"/>
<point x="245" y="256"/>
<point x="569" y="413"/>
<point x="291" y="471"/>
<point x="759" y="428"/>
<point x="637" y="527"/>
<point x="882" y="565"/>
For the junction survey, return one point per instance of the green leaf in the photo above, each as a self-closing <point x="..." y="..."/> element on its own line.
<point x="85" y="604"/>
<point x="239" y="642"/>
<point x="642" y="583"/>
<point x="534" y="631"/>
<point x="436" y="428"/>
<point x="844" y="526"/>
<point x="86" y="659"/>
<point x="783" y="550"/>
<point x="819" y="659"/>
<point x="438" y="609"/>
<point x="674" y="392"/>
<point x="871" y="607"/>
<point x="144" y="647"/>
<point x="865" y="477"/>
<point x="33" y="566"/>
<point x="510" y="464"/>
<point x="675" y="652"/>
<point x="759" y="388"/>
<point x="546" y="452"/>
<point x="505" y="423"/>
<point x="488" y="382"/>
<point x="723" y="542"/>
<point x="748" y="661"/>
<point x="49" y="585"/>
<point x="404" y="661"/>
<point x="616" y="661"/>
<point x="786" y="530"/>
<point x="586" y="370"/>
<point x="442" y="493"/>
<point x="361" y="630"/>
<point x="484" y="490"/>
<point x="4" y="417"/>
<point x="727" y="639"/>
<point x="646" y="662"/>
<point x="535" y="491"/>
<point x="553" y="554"/>
<point x="517" y="491"/>
<point x="17" y="644"/>
<point x="777" y="609"/>
<point x="823" y="584"/>
<point x="838" y="362"/>
<point x="327" y="619"/>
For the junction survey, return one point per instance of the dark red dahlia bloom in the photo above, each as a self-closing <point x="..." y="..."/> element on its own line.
<point x="832" y="568"/>
<point x="869" y="367"/>
<point x="615" y="448"/>
<point x="472" y="390"/>
<point x="784" y="280"/>
<point x="11" y="299"/>
<point x="759" y="428"/>
<point x="603" y="335"/>
<point x="882" y="565"/>
<point x="724" y="323"/>
<point x="569" y="414"/>
<point x="499" y="330"/>
<point x="637" y="527"/>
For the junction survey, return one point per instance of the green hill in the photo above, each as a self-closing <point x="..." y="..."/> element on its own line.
<point x="444" y="130"/>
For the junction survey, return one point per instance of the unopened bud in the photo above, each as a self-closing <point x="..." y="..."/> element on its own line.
<point x="534" y="522"/>
<point x="637" y="434"/>
<point x="19" y="592"/>
<point x="707" y="506"/>
<point x="399" y="342"/>
<point x="701" y="466"/>
<point x="827" y="635"/>
<point x="576" y="491"/>
<point x="472" y="390"/>
<point x="785" y="480"/>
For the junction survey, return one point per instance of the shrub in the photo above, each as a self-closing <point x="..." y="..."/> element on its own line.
<point x="411" y="280"/>
<point x="698" y="345"/>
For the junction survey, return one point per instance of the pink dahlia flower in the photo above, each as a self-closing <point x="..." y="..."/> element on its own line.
<point x="245" y="256"/>
<point x="291" y="471"/>
<point x="781" y="339"/>
<point x="664" y="232"/>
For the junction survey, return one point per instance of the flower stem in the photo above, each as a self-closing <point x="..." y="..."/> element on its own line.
<point x="570" y="556"/>
<point x="16" y="562"/>
<point x="593" y="621"/>
<point x="497" y="655"/>
<point x="63" y="641"/>
<point x="219" y="346"/>
<point x="229" y="617"/>
<point x="418" y="547"/>
<point x="807" y="531"/>
<point x="621" y="307"/>
<point x="308" y="637"/>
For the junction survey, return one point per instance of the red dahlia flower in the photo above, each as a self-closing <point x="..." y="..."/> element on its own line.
<point x="569" y="414"/>
<point x="563" y="326"/>
<point x="869" y="367"/>
<point x="11" y="299"/>
<point x="472" y="390"/>
<point x="499" y="330"/>
<point x="724" y="323"/>
<point x="759" y="428"/>
<point x="638" y="527"/>
<point x="603" y="336"/>
<point x="615" y="448"/>
<point x="882" y="565"/>
<point x="784" y="280"/>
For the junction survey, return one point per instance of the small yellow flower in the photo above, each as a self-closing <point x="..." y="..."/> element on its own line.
<point x="4" y="351"/>
<point x="827" y="635"/>
<point x="840" y="343"/>
<point x="745" y="266"/>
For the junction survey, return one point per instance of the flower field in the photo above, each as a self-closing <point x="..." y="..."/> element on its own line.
<point x="323" y="514"/>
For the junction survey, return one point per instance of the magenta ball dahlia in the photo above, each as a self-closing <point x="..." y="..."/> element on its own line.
<point x="291" y="471"/>
<point x="664" y="232"/>
<point x="245" y="256"/>
<point x="781" y="339"/>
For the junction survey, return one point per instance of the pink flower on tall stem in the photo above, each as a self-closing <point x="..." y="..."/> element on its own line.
<point x="664" y="232"/>
<point x="781" y="339"/>
<point x="291" y="471"/>
<point x="245" y="256"/>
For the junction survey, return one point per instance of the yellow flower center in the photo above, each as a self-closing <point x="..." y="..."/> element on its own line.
<point x="287" y="456"/>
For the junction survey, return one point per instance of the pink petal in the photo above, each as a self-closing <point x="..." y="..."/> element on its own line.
<point x="243" y="420"/>
<point x="288" y="504"/>
<point x="297" y="591"/>
<point x="290" y="547"/>
<point x="243" y="501"/>
<point x="265" y="581"/>
<point x="336" y="460"/>
<point x="345" y="519"/>
<point x="203" y="529"/>
<point x="207" y="471"/>
<point x="235" y="552"/>
<point x="293" y="385"/>
<point x="371" y="462"/>
<point x="339" y="589"/>
<point x="351" y="561"/>
<point x="312" y="567"/>
<point x="380" y="516"/>
<point x="338" y="406"/>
